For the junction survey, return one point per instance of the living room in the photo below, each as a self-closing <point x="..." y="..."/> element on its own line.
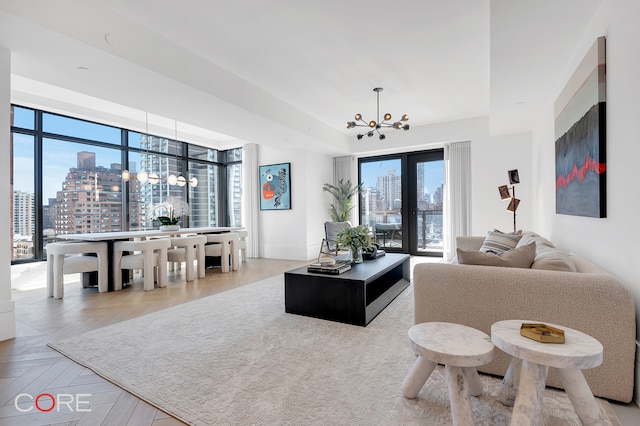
<point x="511" y="132"/>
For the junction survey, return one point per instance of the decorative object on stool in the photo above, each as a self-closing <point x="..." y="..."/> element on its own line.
<point x="507" y="193"/>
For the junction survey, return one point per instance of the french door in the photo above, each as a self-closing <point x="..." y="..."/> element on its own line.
<point x="425" y="198"/>
<point x="401" y="201"/>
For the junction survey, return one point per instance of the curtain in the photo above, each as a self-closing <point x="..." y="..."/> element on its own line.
<point x="457" y="196"/>
<point x="345" y="168"/>
<point x="250" y="195"/>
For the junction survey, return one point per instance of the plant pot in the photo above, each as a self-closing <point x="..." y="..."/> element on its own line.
<point x="169" y="227"/>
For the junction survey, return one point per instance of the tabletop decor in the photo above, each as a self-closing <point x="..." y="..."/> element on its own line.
<point x="356" y="238"/>
<point x="170" y="212"/>
<point x="542" y="333"/>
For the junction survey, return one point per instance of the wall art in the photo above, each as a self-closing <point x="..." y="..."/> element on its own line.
<point x="580" y="131"/>
<point x="275" y="187"/>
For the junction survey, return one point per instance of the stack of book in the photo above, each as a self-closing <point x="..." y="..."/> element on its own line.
<point x="332" y="269"/>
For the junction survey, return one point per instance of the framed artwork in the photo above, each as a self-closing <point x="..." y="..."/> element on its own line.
<point x="275" y="187"/>
<point x="580" y="129"/>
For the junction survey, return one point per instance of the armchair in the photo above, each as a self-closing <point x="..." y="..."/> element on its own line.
<point x="331" y="230"/>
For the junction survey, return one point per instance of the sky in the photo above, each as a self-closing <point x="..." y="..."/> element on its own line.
<point x="59" y="156"/>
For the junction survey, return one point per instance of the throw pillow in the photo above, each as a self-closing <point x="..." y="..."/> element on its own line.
<point x="498" y="242"/>
<point x="517" y="258"/>
<point x="548" y="257"/>
<point x="554" y="260"/>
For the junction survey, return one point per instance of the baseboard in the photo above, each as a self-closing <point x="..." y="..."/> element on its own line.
<point x="7" y="320"/>
<point x="636" y="390"/>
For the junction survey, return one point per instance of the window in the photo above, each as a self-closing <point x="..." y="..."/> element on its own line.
<point x="93" y="175"/>
<point x="67" y="178"/>
<point x="60" y="125"/>
<point x="24" y="206"/>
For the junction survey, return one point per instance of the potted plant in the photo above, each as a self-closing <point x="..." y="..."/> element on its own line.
<point x="170" y="212"/>
<point x="356" y="238"/>
<point x="343" y="194"/>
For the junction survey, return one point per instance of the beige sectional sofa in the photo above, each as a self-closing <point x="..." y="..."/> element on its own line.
<point x="589" y="300"/>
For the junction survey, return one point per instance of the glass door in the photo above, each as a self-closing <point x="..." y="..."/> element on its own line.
<point x="381" y="200"/>
<point x="426" y="175"/>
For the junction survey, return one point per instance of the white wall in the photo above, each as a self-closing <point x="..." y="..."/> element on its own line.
<point x="297" y="233"/>
<point x="7" y="312"/>
<point x="491" y="158"/>
<point x="611" y="242"/>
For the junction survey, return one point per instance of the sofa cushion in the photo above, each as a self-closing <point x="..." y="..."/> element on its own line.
<point x="521" y="257"/>
<point x="498" y="242"/>
<point x="548" y="256"/>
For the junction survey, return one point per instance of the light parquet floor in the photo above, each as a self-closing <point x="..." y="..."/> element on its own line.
<point x="28" y="365"/>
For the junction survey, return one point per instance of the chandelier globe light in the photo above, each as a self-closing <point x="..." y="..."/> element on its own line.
<point x="376" y="125"/>
<point x="153" y="178"/>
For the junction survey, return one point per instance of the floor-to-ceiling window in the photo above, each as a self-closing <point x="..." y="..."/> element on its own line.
<point x="401" y="201"/>
<point x="67" y="177"/>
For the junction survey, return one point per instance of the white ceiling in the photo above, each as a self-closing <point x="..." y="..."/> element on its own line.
<point x="290" y="71"/>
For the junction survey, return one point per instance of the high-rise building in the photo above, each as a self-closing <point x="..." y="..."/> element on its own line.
<point x="390" y="187"/>
<point x="90" y="199"/>
<point x="23" y="213"/>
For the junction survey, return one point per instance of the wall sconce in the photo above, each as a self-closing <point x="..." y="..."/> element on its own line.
<point x="507" y="193"/>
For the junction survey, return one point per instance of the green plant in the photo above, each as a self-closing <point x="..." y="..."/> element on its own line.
<point x="354" y="237"/>
<point x="343" y="194"/>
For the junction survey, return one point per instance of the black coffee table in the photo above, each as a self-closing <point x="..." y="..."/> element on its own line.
<point x="354" y="297"/>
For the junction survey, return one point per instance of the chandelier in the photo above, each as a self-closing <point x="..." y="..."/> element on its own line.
<point x="153" y="178"/>
<point x="375" y="126"/>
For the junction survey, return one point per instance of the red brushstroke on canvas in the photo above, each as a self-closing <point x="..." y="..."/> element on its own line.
<point x="589" y="165"/>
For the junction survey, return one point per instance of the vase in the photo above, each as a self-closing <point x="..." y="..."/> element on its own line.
<point x="356" y="254"/>
<point x="169" y="227"/>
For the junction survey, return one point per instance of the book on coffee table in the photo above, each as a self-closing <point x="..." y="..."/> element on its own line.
<point x="336" y="269"/>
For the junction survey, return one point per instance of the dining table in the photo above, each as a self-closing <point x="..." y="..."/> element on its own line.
<point x="111" y="237"/>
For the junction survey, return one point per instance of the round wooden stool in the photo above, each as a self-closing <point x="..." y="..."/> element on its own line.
<point x="460" y="349"/>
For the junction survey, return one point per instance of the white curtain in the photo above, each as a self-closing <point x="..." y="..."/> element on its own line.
<point x="250" y="197"/>
<point x="457" y="195"/>
<point x="345" y="168"/>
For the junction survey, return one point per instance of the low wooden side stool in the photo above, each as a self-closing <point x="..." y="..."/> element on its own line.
<point x="461" y="349"/>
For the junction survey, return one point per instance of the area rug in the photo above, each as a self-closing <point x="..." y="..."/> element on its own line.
<point x="236" y="358"/>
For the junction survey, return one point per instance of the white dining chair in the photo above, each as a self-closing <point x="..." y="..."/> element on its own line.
<point x="75" y="258"/>
<point x="243" y="234"/>
<point x="219" y="245"/>
<point x="148" y="255"/>
<point x="187" y="249"/>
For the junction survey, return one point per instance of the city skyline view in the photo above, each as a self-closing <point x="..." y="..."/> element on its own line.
<point x="433" y="174"/>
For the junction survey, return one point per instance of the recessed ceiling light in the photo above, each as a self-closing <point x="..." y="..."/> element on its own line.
<point x="519" y="102"/>
<point x="107" y="39"/>
<point x="83" y="69"/>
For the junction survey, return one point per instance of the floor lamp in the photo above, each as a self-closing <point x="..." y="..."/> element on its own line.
<point x="507" y="193"/>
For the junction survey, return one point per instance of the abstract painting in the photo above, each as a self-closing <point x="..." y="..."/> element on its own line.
<point x="275" y="187"/>
<point x="580" y="130"/>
